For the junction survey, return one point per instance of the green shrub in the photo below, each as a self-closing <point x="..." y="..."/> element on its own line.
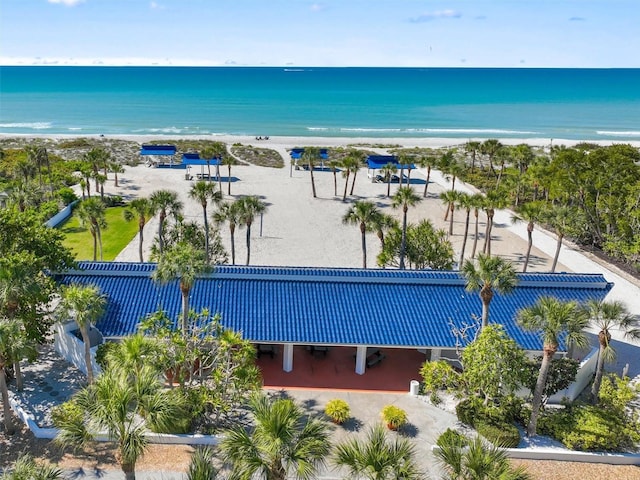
<point x="394" y="417"/>
<point x="182" y="422"/>
<point x="67" y="414"/>
<point x="438" y="376"/>
<point x="469" y="409"/>
<point x="452" y="437"/>
<point x="505" y="435"/>
<point x="338" y="410"/>
<point x="66" y="195"/>
<point x="102" y="353"/>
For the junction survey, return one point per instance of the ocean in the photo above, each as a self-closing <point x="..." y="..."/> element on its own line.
<point x="575" y="104"/>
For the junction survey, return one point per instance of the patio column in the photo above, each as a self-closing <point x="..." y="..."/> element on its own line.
<point x="361" y="359"/>
<point x="287" y="357"/>
<point x="436" y="354"/>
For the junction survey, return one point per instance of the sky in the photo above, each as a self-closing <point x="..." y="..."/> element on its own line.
<point x="341" y="33"/>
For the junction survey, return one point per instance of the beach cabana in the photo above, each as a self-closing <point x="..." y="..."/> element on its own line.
<point x="193" y="159"/>
<point x="157" y="154"/>
<point x="296" y="154"/>
<point x="377" y="162"/>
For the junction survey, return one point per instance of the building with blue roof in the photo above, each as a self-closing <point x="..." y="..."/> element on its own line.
<point x="346" y="307"/>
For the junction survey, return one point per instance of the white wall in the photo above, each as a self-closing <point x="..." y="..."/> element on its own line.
<point x="71" y="348"/>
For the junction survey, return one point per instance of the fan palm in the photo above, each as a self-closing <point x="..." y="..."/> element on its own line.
<point x="26" y="468"/>
<point x="560" y="218"/>
<point x="10" y="332"/>
<point x="383" y="223"/>
<point x="387" y="171"/>
<point x="248" y="208"/>
<point x="91" y="212"/>
<point x="141" y="209"/>
<point x="477" y="202"/>
<point x="465" y="201"/>
<point x="86" y="305"/>
<point x="358" y="158"/>
<point x="377" y="457"/>
<point x="229" y="212"/>
<point x="551" y="318"/>
<point x="450" y="197"/>
<point x="202" y="192"/>
<point x="165" y="202"/>
<point x="334" y="165"/>
<point x="350" y="164"/>
<point x="428" y="162"/>
<point x="310" y="157"/>
<point x="605" y="317"/>
<point x="281" y="443"/>
<point x="404" y="198"/>
<point x="530" y="213"/>
<point x="229" y="161"/>
<point x="486" y="275"/>
<point x="364" y="214"/>
<point x="494" y="199"/>
<point x="472" y="148"/>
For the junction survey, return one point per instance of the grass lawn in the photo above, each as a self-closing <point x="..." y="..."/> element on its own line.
<point x="115" y="237"/>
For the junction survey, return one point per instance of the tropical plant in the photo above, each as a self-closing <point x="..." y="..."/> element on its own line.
<point x="530" y="213"/>
<point x="201" y="465"/>
<point x="248" y="208"/>
<point x="404" y="198"/>
<point x="383" y="223"/>
<point x="465" y="201"/>
<point x="310" y="157"/>
<point x="487" y="274"/>
<point x="387" y="172"/>
<point x="27" y="468"/>
<point x="116" y="168"/>
<point x="10" y="331"/>
<point x="473" y="148"/>
<point x="552" y="318"/>
<point x="185" y="263"/>
<point x="86" y="305"/>
<point x="450" y="198"/>
<point x="494" y="199"/>
<point x="428" y="162"/>
<point x="358" y="157"/>
<point x="116" y="403"/>
<point x="465" y="458"/>
<point x="350" y="164"/>
<point x="560" y="218"/>
<point x="338" y="410"/>
<point x="436" y="376"/>
<point x="394" y="416"/>
<point x="606" y="317"/>
<point x="203" y="191"/>
<point x="91" y="212"/>
<point x="334" y="164"/>
<point x="141" y="209"/>
<point x="165" y="202"/>
<point x="229" y="161"/>
<point x="281" y="443"/>
<point x="378" y="457"/>
<point x="229" y="212"/>
<point x="477" y="202"/>
<point x="490" y="149"/>
<point x="364" y="214"/>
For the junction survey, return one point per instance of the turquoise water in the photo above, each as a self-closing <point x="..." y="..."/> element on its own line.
<point x="345" y="102"/>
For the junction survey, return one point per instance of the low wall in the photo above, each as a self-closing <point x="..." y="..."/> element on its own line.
<point x="61" y="216"/>
<point x="71" y="348"/>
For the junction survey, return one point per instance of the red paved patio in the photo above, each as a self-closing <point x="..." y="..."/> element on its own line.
<point x="336" y="370"/>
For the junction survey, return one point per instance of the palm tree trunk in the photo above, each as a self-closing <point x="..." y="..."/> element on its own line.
<point x="141" y="238"/>
<point x="18" y="373"/>
<point x="464" y="238"/>
<point x="475" y="236"/>
<point x="84" y="331"/>
<point x="555" y="258"/>
<point x="232" y="228"/>
<point x="353" y="183"/>
<point x="99" y="234"/>
<point x="129" y="470"/>
<point x="4" y="392"/>
<point x="229" y="182"/>
<point x="161" y="219"/>
<point x="452" y="207"/>
<point x="206" y="231"/>
<point x="426" y="185"/>
<point x="389" y="186"/>
<point x="346" y="185"/>
<point x="363" y="231"/>
<point x="529" y="245"/>
<point x="95" y="245"/>
<point x="603" y="339"/>
<point x="185" y="309"/>
<point x="403" y="244"/>
<point x="335" y="183"/>
<point x="539" y="390"/>
<point x="248" y="242"/>
<point x="313" y="182"/>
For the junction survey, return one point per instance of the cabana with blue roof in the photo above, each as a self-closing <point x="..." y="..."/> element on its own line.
<point x="191" y="159"/>
<point x="330" y="307"/>
<point x="377" y="162"/>
<point x="157" y="154"/>
<point x="297" y="153"/>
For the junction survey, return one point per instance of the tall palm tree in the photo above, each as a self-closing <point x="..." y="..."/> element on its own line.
<point x="91" y="212"/>
<point x="310" y="157"/>
<point x="116" y="168"/>
<point x="428" y="162"/>
<point x="86" y="304"/>
<point x="26" y="468"/>
<point x="450" y="198"/>
<point x="203" y="191"/>
<point x="10" y="332"/>
<point x="97" y="158"/>
<point x="493" y="200"/>
<point x="364" y="214"/>
<point x="378" y="457"/>
<point x="229" y="212"/>
<point x="282" y="442"/>
<point x="334" y="164"/>
<point x="486" y="275"/>
<point x="115" y="404"/>
<point x="472" y="148"/>
<point x="229" y="161"/>
<point x="552" y="318"/>
<point x="404" y="198"/>
<point x="490" y="148"/>
<point x="465" y="201"/>
<point x="38" y="156"/>
<point x="350" y="165"/>
<point x="464" y="459"/>
<point x="560" y="218"/>
<point x="248" y="208"/>
<point x="358" y="157"/>
<point x="184" y="262"/>
<point x="387" y="171"/>
<point x="207" y="154"/>
<point x="141" y="209"/>
<point x="383" y="223"/>
<point x="605" y="317"/>
<point x="530" y="213"/>
<point x="165" y="202"/>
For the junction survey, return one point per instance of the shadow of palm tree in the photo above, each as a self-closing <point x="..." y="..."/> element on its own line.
<point x="408" y="430"/>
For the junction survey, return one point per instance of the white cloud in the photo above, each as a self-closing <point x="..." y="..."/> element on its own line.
<point x="317" y="7"/>
<point x="156" y="6"/>
<point x="429" y="16"/>
<point x="68" y="3"/>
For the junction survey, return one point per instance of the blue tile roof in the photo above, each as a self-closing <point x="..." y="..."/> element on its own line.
<point x="158" y="150"/>
<point x="403" y="308"/>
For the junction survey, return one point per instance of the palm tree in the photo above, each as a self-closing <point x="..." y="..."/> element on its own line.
<point x="281" y="443"/>
<point x="26" y="468"/>
<point x="530" y="213"/>
<point x="605" y="317"/>
<point x="248" y="208"/>
<point x="350" y="164"/>
<point x="10" y="332"/>
<point x="377" y="457"/>
<point x="86" y="305"/>
<point x="450" y="197"/>
<point x="451" y="167"/>
<point x="165" y="202"/>
<point x="38" y="156"/>
<point x="387" y="171"/>
<point x="96" y="158"/>
<point x="91" y="212"/>
<point x="184" y="262"/>
<point x="477" y="202"/>
<point x="358" y="158"/>
<point x="203" y="191"/>
<point x="560" y="218"/>
<point x="404" y="197"/>
<point x="364" y="214"/>
<point x="494" y="199"/>
<point x="552" y="318"/>
<point x="490" y="148"/>
<point x="115" y="404"/>
<point x="207" y="154"/>
<point x="464" y="459"/>
<point x="383" y="223"/>
<point x="229" y="212"/>
<point x="334" y="164"/>
<point x="428" y="162"/>
<point x="310" y="157"/>
<point x="489" y="274"/>
<point x="465" y="201"/>
<point x="229" y="161"/>
<point x="141" y="209"/>
<point x="116" y="168"/>
<point x="472" y="148"/>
